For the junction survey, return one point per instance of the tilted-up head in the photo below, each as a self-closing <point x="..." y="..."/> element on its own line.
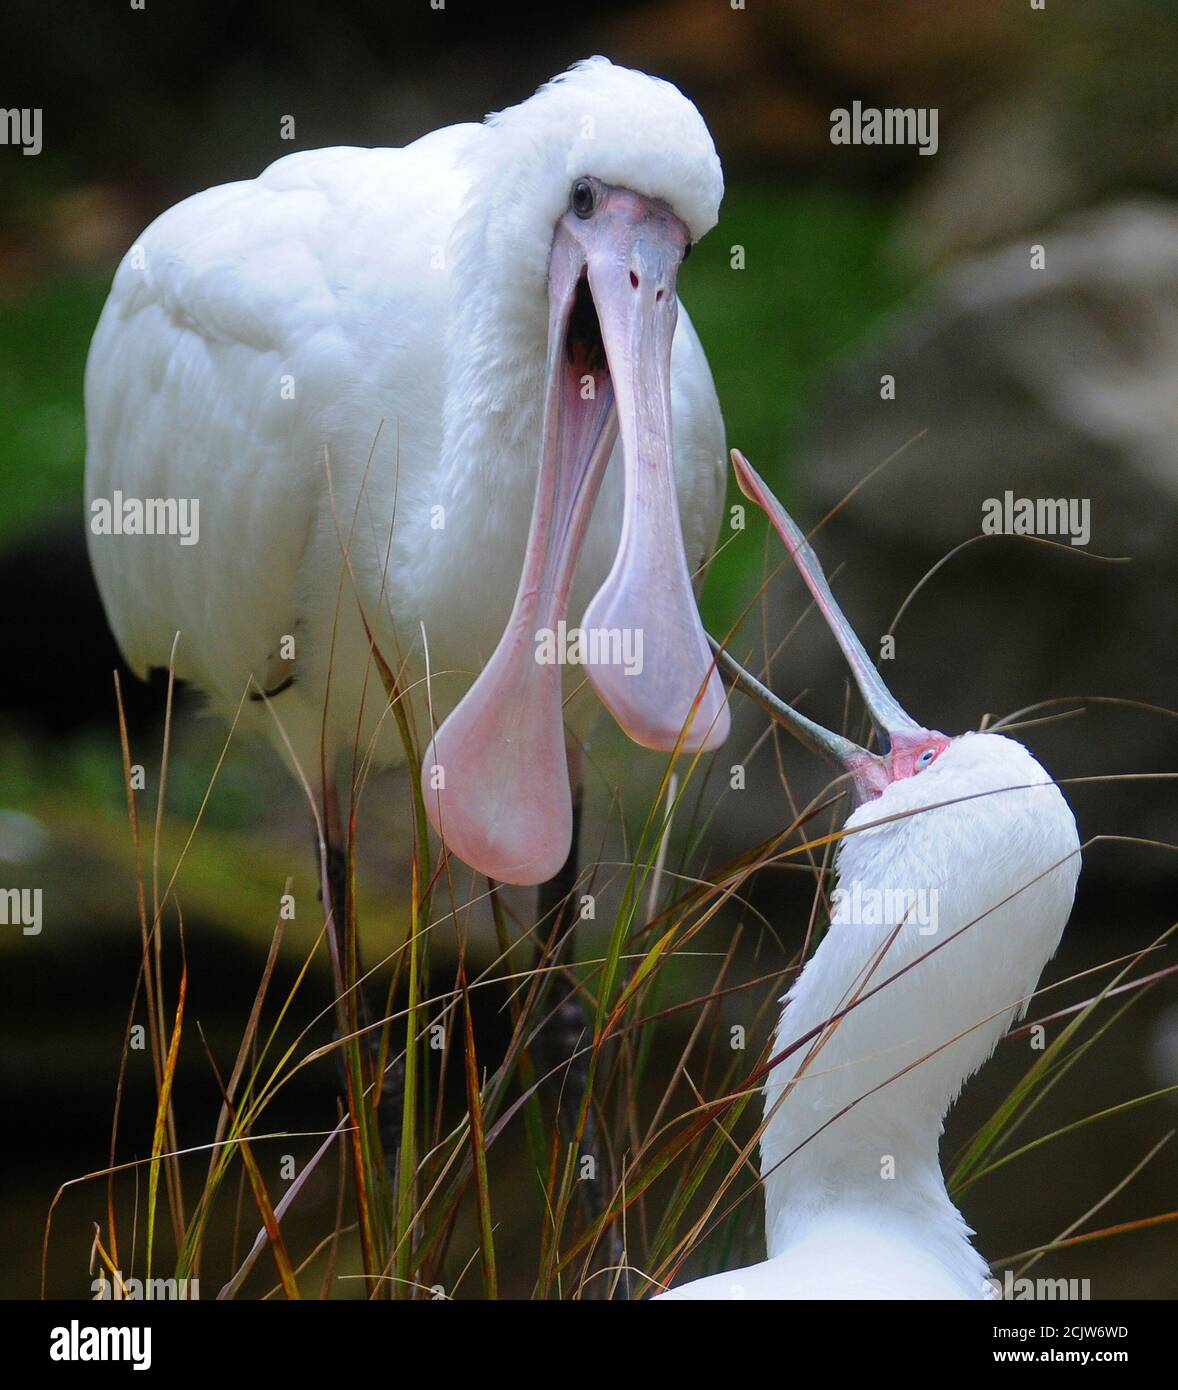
<point x="906" y="748"/>
<point x="609" y="176"/>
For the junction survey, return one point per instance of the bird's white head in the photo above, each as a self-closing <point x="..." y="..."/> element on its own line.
<point x="592" y="192"/>
<point x="612" y="124"/>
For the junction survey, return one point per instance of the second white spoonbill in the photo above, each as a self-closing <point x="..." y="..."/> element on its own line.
<point x="956" y="876"/>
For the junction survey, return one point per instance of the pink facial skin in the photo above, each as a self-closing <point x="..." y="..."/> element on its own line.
<point x="912" y="752"/>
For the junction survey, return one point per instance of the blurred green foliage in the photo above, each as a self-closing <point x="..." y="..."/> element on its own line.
<point x="44" y="334"/>
<point x="816" y="277"/>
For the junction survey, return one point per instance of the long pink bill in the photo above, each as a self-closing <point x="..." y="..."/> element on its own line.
<point x="906" y="747"/>
<point x="887" y="714"/>
<point x="647" y="595"/>
<point x="495" y="777"/>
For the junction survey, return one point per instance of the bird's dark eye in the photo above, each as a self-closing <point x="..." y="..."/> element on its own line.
<point x="926" y="757"/>
<point x="583" y="198"/>
<point x="687" y="249"/>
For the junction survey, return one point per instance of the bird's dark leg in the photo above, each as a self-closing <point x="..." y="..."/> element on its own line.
<point x="352" y="1009"/>
<point x="559" y="1050"/>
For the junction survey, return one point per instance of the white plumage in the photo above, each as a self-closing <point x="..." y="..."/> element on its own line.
<point x="386" y="310"/>
<point x="957" y="879"/>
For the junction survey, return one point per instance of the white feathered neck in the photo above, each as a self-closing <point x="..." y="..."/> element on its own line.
<point x="1002" y="860"/>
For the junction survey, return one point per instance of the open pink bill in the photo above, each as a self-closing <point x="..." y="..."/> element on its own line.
<point x="495" y="777"/>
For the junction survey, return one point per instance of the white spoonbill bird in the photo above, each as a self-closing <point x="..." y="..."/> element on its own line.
<point x="955" y="880"/>
<point x="429" y="352"/>
<point x="465" y="363"/>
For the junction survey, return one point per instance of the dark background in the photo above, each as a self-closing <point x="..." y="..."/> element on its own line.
<point x="1057" y="127"/>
